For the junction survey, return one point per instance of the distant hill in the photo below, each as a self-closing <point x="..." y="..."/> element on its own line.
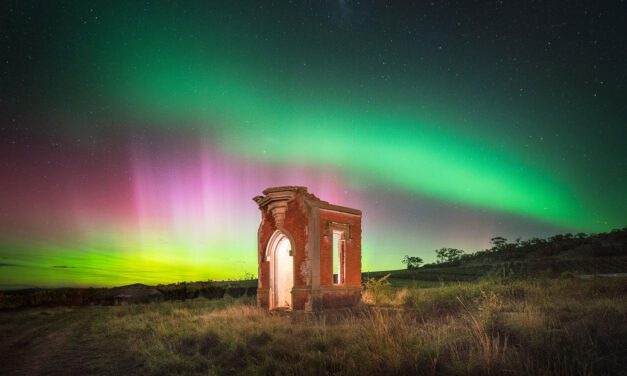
<point x="25" y="291"/>
<point x="134" y="293"/>
<point x="603" y="253"/>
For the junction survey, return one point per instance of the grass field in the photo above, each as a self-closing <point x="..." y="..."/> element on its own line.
<point x="550" y="327"/>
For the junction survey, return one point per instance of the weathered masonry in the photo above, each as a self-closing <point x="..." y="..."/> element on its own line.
<point x="309" y="251"/>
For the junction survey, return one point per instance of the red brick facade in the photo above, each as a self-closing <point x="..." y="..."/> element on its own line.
<point x="291" y="213"/>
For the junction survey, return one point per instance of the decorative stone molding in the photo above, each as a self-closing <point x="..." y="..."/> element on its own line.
<point x="276" y="199"/>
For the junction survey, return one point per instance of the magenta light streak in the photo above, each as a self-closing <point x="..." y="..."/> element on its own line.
<point x="200" y="195"/>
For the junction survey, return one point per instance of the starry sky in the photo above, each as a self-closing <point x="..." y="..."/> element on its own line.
<point x="134" y="135"/>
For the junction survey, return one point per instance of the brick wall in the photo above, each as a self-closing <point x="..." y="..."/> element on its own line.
<point x="352" y="253"/>
<point x="296" y="222"/>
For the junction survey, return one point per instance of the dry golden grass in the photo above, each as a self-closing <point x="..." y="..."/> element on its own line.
<point x="525" y="327"/>
<point x="543" y="327"/>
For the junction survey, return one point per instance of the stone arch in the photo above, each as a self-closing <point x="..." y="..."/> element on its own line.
<point x="280" y="255"/>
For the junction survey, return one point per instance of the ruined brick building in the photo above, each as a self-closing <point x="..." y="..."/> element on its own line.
<point x="309" y="251"/>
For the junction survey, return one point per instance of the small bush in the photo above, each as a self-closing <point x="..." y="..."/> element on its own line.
<point x="378" y="290"/>
<point x="236" y="292"/>
<point x="490" y="306"/>
<point x="212" y="292"/>
<point x="567" y="275"/>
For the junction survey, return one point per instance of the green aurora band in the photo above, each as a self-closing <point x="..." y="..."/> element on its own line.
<point x="403" y="149"/>
<point x="419" y="123"/>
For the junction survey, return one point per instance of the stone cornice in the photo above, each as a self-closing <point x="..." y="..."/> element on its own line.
<point x="288" y="192"/>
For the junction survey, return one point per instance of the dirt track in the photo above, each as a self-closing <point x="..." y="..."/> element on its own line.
<point x="59" y="342"/>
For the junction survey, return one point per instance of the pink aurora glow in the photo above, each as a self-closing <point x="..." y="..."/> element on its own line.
<point x="202" y="193"/>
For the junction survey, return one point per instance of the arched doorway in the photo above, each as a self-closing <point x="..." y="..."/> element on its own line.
<point x="279" y="254"/>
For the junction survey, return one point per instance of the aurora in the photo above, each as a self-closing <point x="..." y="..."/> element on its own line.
<point x="134" y="136"/>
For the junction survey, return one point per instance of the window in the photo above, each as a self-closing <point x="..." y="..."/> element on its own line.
<point x="339" y="248"/>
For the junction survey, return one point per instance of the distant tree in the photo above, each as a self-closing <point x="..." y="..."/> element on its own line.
<point x="448" y="254"/>
<point x="526" y="243"/>
<point x="556" y="238"/>
<point x="498" y="243"/>
<point x="440" y="255"/>
<point x="581" y="235"/>
<point x="248" y="276"/>
<point x="536" y="241"/>
<point x="412" y="262"/>
<point x="455" y="254"/>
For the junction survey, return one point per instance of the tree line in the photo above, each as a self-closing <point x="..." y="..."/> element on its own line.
<point x="501" y="246"/>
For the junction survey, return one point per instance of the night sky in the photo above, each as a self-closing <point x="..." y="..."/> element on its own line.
<point x="134" y="136"/>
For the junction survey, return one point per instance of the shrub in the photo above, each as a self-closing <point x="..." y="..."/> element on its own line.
<point x="490" y="306"/>
<point x="567" y="275"/>
<point x="377" y="290"/>
<point x="212" y="292"/>
<point x="236" y="292"/>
